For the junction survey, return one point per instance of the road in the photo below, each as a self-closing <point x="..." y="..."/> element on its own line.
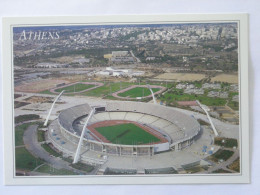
<point x="224" y="164"/>
<point x="32" y="145"/>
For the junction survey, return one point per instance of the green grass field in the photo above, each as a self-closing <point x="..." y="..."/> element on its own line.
<point x="26" y="117"/>
<point x="75" y="88"/>
<point x="228" y="142"/>
<point x="221" y="154"/>
<point x="178" y="95"/>
<point x="127" y="134"/>
<point x="40" y="136"/>
<point x="138" y="92"/>
<point x="24" y="160"/>
<point x="107" y="88"/>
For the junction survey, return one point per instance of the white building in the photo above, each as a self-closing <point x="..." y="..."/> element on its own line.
<point x="50" y="65"/>
<point x="119" y="53"/>
<point x="211" y="86"/>
<point x="104" y="73"/>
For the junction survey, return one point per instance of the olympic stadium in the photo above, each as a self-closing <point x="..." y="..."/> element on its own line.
<point x="174" y="129"/>
<point x="115" y="131"/>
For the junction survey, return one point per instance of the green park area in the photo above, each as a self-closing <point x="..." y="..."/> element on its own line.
<point x="226" y="142"/>
<point x="107" y="89"/>
<point x="26" y="117"/>
<point x="178" y="95"/>
<point x="138" y="92"/>
<point x="24" y="160"/>
<point x="221" y="155"/>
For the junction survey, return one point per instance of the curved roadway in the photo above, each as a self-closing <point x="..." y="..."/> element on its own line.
<point x="34" y="147"/>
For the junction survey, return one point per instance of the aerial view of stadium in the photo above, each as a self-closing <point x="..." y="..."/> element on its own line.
<point x="126" y="99"/>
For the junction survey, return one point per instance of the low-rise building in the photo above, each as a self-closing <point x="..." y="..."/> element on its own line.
<point x="213" y="94"/>
<point x="233" y="88"/>
<point x="181" y="86"/>
<point x="81" y="60"/>
<point x="218" y="94"/>
<point x="211" y="86"/>
<point x="223" y="94"/>
<point x="50" y="65"/>
<point x="150" y="58"/>
<point x="235" y="98"/>
<point x="194" y="91"/>
<point x="190" y="86"/>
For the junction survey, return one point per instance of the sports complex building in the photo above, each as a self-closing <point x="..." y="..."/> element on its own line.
<point x="123" y="128"/>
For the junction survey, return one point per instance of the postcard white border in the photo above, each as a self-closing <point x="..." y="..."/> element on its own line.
<point x="7" y="81"/>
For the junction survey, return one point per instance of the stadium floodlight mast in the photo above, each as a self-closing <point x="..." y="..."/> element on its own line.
<point x="52" y="106"/>
<point x="154" y="100"/>
<point x="206" y="109"/>
<point x="76" y="157"/>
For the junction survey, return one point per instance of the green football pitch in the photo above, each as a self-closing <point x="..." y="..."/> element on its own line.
<point x="75" y="88"/>
<point x="138" y="92"/>
<point x="127" y="134"/>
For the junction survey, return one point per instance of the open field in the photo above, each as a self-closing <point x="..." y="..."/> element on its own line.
<point x="229" y="78"/>
<point x="181" y="76"/>
<point x="99" y="91"/>
<point x="228" y="142"/>
<point x="26" y="117"/>
<point x="38" y="86"/>
<point x="221" y="154"/>
<point x="127" y="134"/>
<point x="40" y="136"/>
<point x="105" y="89"/>
<point x="209" y="101"/>
<point x="75" y="88"/>
<point x="24" y="160"/>
<point x="135" y="91"/>
<point x="138" y="92"/>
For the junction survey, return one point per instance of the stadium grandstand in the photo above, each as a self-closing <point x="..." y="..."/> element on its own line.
<point x="162" y="128"/>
